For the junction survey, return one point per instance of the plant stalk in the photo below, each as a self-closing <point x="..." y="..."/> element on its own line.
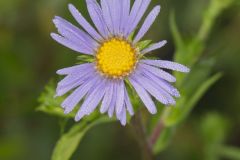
<point x="156" y="133"/>
<point x="140" y="131"/>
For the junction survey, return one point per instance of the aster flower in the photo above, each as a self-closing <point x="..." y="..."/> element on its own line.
<point x="116" y="59"/>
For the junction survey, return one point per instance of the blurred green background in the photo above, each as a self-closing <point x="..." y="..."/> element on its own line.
<point x="29" y="59"/>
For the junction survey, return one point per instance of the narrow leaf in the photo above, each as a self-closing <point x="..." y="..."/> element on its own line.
<point x="85" y="59"/>
<point x="49" y="104"/>
<point x="175" y="32"/>
<point x="69" y="142"/>
<point x="143" y="44"/>
<point x="173" y="116"/>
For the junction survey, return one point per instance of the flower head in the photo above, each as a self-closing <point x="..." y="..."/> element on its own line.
<point x="116" y="58"/>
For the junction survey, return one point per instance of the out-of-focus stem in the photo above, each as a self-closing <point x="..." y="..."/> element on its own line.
<point x="215" y="8"/>
<point x="156" y="133"/>
<point x="142" y="137"/>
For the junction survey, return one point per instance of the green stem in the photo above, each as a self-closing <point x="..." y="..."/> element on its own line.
<point x="62" y="124"/>
<point x="139" y="128"/>
<point x="156" y="133"/>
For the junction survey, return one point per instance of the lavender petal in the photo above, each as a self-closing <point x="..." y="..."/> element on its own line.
<point x="113" y="101"/>
<point x="92" y="101"/>
<point x="107" y="97"/>
<point x="122" y="116"/>
<point x="154" y="47"/>
<point x="161" y="83"/>
<point x="96" y="15"/>
<point x="159" y="73"/>
<point x="75" y="34"/>
<point x="138" y="10"/>
<point x="145" y="97"/>
<point x="128" y="102"/>
<point x="63" y="89"/>
<point x="76" y="74"/>
<point x="120" y="96"/>
<point x="147" y="85"/>
<point x="167" y="65"/>
<point x="147" y="23"/>
<point x="71" y="101"/>
<point x="67" y="43"/>
<point x="84" y="23"/>
<point x="124" y="16"/>
<point x="116" y="13"/>
<point x="69" y="70"/>
<point x="107" y="15"/>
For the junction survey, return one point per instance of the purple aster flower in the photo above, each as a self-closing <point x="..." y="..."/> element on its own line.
<point x="116" y="58"/>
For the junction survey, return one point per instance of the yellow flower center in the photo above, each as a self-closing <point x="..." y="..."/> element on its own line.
<point x="116" y="58"/>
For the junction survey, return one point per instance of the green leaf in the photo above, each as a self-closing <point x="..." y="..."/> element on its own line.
<point x="69" y="142"/>
<point x="131" y="36"/>
<point x="214" y="128"/>
<point x="187" y="51"/>
<point x="85" y="59"/>
<point x="50" y="104"/>
<point x="143" y="44"/>
<point x="54" y="110"/>
<point x="174" y="115"/>
<point x="198" y="75"/>
<point x="175" y="32"/>
<point x="212" y="12"/>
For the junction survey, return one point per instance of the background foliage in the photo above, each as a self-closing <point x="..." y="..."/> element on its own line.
<point x="201" y="34"/>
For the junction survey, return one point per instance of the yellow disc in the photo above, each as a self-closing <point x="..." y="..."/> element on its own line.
<point x="116" y="58"/>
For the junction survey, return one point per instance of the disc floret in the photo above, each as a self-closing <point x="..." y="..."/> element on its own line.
<point x="116" y="58"/>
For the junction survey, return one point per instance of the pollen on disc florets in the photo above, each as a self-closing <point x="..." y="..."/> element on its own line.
<point x="116" y="58"/>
